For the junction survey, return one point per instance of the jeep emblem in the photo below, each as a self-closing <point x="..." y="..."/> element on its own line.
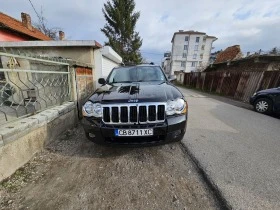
<point x="132" y="100"/>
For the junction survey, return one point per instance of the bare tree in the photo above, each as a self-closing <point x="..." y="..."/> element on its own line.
<point x="275" y="51"/>
<point x="42" y="26"/>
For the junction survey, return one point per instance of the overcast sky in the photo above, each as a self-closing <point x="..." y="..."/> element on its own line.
<point x="253" y="24"/>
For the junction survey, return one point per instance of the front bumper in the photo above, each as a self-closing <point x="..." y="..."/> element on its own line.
<point x="173" y="129"/>
<point x="252" y="99"/>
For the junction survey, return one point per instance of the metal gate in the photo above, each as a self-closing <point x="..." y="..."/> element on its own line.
<point x="29" y="85"/>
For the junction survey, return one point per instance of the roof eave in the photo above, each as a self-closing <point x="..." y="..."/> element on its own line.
<point x="52" y="43"/>
<point x="25" y="34"/>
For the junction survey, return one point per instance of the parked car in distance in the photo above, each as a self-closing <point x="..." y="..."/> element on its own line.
<point x="266" y="101"/>
<point x="136" y="105"/>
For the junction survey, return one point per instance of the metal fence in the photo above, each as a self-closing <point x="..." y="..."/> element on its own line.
<point x="31" y="84"/>
<point x="237" y="85"/>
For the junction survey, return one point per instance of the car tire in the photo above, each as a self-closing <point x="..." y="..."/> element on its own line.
<point x="263" y="105"/>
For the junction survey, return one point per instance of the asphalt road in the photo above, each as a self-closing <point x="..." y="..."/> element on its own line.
<point x="237" y="148"/>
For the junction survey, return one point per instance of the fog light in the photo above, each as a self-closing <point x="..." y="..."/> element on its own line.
<point x="91" y="135"/>
<point x="177" y="133"/>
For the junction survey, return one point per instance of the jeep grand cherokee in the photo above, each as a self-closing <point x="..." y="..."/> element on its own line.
<point x="135" y="105"/>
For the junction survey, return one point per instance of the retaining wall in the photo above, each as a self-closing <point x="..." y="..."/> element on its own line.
<point x="21" y="140"/>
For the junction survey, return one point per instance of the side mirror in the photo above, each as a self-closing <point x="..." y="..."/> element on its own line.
<point x="172" y="78"/>
<point x="101" y="81"/>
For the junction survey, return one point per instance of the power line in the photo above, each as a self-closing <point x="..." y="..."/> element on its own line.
<point x="35" y="12"/>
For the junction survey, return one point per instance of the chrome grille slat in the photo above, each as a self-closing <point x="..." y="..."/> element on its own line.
<point x="137" y="113"/>
<point x="122" y="116"/>
<point x="147" y="108"/>
<point x="128" y="116"/>
<point x="110" y="114"/>
<point x="156" y="112"/>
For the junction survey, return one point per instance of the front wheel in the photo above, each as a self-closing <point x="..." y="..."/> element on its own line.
<point x="263" y="105"/>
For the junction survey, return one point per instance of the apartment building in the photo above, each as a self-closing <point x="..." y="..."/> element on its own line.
<point x="191" y="51"/>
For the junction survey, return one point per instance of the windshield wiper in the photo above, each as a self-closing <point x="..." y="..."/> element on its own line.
<point x="149" y="80"/>
<point x="120" y="82"/>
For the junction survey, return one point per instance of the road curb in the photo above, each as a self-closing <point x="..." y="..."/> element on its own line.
<point x="223" y="203"/>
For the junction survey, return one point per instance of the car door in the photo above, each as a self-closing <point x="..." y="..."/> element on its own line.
<point x="277" y="102"/>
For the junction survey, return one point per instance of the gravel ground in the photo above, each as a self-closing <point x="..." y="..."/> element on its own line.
<point x="73" y="173"/>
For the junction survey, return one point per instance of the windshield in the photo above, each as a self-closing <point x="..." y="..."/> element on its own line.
<point x="136" y="74"/>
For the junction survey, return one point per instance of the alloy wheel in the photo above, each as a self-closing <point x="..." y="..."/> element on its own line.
<point x="262" y="106"/>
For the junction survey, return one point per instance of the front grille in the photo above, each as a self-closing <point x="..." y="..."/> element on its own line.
<point x="133" y="113"/>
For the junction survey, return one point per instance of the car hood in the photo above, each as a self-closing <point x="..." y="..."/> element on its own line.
<point x="272" y="90"/>
<point x="136" y="93"/>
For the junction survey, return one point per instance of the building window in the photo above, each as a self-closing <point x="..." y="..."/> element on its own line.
<point x="186" y="38"/>
<point x="201" y="56"/>
<point x="204" y="38"/>
<point x="184" y="55"/>
<point x="197" y="39"/>
<point x="185" y="47"/>
<point x="203" y="47"/>
<point x="183" y="63"/>
<point x="193" y="64"/>
<point x="196" y="47"/>
<point x="194" y="56"/>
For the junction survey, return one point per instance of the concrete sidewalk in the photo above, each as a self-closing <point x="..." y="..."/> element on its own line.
<point x="238" y="149"/>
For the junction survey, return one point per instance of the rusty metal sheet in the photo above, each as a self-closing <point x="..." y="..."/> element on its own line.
<point x="85" y="85"/>
<point x="208" y="81"/>
<point x="238" y="85"/>
<point x="241" y="86"/>
<point x="229" y="83"/>
<point x="252" y="85"/>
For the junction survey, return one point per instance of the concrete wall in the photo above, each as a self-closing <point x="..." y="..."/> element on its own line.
<point x="20" y="140"/>
<point x="98" y="65"/>
<point x="82" y="54"/>
<point x="180" y="77"/>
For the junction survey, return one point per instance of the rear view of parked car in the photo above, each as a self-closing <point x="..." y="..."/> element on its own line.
<point x="266" y="101"/>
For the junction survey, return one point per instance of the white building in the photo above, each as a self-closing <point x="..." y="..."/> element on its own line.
<point x="190" y="51"/>
<point x="166" y="66"/>
<point x="166" y="63"/>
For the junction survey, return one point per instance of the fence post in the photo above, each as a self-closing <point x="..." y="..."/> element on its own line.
<point x="73" y="84"/>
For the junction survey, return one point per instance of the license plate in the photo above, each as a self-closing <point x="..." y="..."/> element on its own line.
<point x="134" y="132"/>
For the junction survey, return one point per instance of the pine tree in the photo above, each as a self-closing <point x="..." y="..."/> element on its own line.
<point x="120" y="29"/>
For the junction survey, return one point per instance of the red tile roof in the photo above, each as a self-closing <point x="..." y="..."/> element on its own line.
<point x="17" y="26"/>
<point x="229" y="54"/>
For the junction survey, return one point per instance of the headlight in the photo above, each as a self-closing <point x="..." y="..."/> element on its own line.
<point x="92" y="109"/>
<point x="255" y="94"/>
<point x="178" y="106"/>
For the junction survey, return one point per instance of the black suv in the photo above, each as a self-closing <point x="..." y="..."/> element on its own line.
<point x="266" y="101"/>
<point x="136" y="105"/>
